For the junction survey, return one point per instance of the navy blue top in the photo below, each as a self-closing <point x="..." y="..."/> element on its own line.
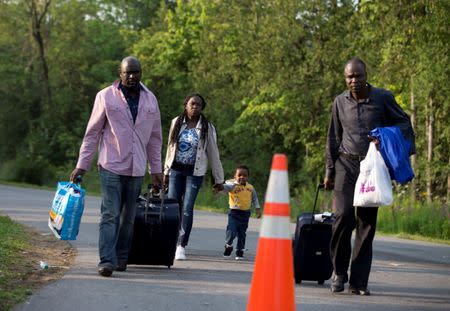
<point x="133" y="102"/>
<point x="187" y="146"/>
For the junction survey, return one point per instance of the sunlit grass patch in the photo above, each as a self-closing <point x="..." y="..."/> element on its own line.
<point x="13" y="245"/>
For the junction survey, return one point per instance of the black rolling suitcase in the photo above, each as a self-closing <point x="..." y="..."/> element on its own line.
<point x="311" y="246"/>
<point x="155" y="231"/>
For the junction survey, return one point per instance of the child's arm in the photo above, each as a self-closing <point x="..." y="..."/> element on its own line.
<point x="227" y="186"/>
<point x="255" y="203"/>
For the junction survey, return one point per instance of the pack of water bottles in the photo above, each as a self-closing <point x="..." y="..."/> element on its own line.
<point x="66" y="211"/>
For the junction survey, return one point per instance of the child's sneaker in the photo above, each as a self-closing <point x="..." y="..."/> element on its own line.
<point x="239" y="254"/>
<point x="228" y="250"/>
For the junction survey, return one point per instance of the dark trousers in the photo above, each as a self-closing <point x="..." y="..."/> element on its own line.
<point x="364" y="221"/>
<point x="237" y="227"/>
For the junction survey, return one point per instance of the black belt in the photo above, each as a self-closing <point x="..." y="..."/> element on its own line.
<point x="352" y="156"/>
<point x="179" y="166"/>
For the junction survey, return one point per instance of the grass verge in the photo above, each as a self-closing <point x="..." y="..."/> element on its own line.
<point x="21" y="250"/>
<point x="414" y="237"/>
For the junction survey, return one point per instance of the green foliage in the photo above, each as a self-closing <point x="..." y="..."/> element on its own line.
<point x="269" y="71"/>
<point x="165" y="50"/>
<point x="430" y="220"/>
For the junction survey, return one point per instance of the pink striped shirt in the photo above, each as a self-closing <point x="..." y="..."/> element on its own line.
<point x="124" y="147"/>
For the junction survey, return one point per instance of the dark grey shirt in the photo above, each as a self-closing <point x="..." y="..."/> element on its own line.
<point x="351" y="122"/>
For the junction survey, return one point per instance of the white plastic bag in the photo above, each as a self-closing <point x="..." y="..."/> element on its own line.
<point x="373" y="187"/>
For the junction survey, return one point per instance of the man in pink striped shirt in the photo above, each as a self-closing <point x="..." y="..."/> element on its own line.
<point x="125" y="128"/>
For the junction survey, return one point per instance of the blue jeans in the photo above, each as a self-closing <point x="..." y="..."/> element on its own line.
<point x="237" y="227"/>
<point x="184" y="187"/>
<point x="118" y="209"/>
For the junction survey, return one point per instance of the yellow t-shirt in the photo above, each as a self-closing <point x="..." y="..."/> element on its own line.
<point x="241" y="197"/>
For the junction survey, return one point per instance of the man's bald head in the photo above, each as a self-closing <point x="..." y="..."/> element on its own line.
<point x="356" y="61"/>
<point x="130" y="59"/>
<point x="356" y="78"/>
<point x="130" y="72"/>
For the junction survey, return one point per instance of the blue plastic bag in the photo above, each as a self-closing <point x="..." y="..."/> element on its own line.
<point x="395" y="151"/>
<point x="67" y="209"/>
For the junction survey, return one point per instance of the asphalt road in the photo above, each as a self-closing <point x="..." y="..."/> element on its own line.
<point x="406" y="275"/>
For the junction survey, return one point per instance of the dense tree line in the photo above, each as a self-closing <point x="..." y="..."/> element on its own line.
<point x="268" y="69"/>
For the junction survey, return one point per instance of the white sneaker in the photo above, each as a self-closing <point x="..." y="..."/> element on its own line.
<point x="180" y="253"/>
<point x="239" y="254"/>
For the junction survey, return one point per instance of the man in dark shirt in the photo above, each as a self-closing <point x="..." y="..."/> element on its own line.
<point x="355" y="113"/>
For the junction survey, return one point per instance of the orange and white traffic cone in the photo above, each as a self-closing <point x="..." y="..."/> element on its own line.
<point x="272" y="285"/>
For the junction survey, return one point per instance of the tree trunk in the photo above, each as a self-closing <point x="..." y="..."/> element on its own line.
<point x="448" y="187"/>
<point x="36" y="30"/>
<point x="430" y="123"/>
<point x="413" y="184"/>
<point x="448" y="193"/>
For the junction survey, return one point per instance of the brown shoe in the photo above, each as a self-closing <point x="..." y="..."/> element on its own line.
<point x="362" y="291"/>
<point x="105" y="271"/>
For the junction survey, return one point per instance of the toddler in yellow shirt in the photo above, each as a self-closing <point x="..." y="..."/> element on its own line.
<point x="242" y="196"/>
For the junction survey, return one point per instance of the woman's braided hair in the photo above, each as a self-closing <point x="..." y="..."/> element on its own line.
<point x="179" y="121"/>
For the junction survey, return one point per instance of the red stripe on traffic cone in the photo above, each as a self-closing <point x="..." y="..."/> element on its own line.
<point x="276" y="209"/>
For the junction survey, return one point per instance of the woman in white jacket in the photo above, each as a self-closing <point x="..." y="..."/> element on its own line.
<point x="192" y="143"/>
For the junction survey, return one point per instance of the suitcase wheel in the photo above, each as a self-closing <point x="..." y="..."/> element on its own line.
<point x="320" y="282"/>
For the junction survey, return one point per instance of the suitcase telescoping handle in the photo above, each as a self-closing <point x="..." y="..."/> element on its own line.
<point x="319" y="186"/>
<point x="150" y="193"/>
